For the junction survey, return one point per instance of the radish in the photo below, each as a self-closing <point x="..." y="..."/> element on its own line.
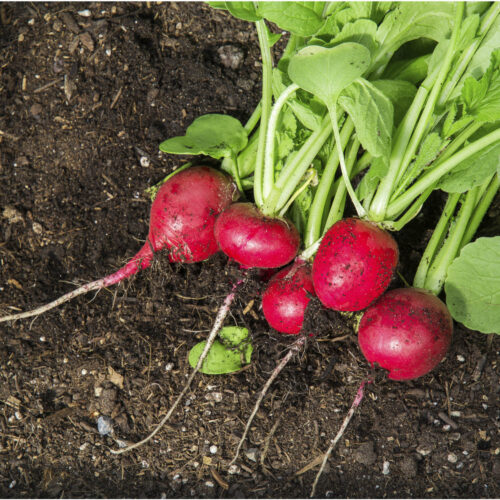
<point x="182" y="221"/>
<point x="255" y="240"/>
<point x="285" y="299"/>
<point x="354" y="264"/>
<point x="407" y="331"/>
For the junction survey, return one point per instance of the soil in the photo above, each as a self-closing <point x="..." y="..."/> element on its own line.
<point x="87" y="92"/>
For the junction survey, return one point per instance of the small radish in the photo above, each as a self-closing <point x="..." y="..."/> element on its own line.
<point x="182" y="221"/>
<point x="254" y="240"/>
<point x="406" y="331"/>
<point x="354" y="264"/>
<point x="285" y="299"/>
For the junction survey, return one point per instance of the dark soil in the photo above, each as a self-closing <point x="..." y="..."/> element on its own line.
<point x="84" y="103"/>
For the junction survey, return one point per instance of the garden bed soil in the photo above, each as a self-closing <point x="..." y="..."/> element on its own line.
<point x="87" y="93"/>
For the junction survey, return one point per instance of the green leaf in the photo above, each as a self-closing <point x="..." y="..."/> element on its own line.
<point x="362" y="31"/>
<point x="227" y="356"/>
<point x="299" y="18"/>
<point x="473" y="171"/>
<point x="428" y="151"/>
<point x="372" y="113"/>
<point x="482" y="58"/>
<point x="473" y="286"/>
<point x="378" y="169"/>
<point x="412" y="20"/>
<point x="411" y="70"/>
<point x="400" y="93"/>
<point x="325" y="72"/>
<point x="213" y="135"/>
<point x="481" y="98"/>
<point x="243" y="10"/>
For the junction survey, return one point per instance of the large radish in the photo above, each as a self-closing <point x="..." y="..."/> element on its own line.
<point x="354" y="264"/>
<point x="182" y="221"/>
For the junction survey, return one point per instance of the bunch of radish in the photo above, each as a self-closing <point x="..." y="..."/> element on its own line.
<point x="333" y="104"/>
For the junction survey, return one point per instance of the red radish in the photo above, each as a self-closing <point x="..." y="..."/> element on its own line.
<point x="407" y="331"/>
<point x="182" y="221"/>
<point x="354" y="264"/>
<point x="254" y="240"/>
<point x="285" y="300"/>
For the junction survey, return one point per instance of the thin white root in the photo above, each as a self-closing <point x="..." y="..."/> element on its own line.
<point x="219" y="320"/>
<point x="294" y="348"/>
<point x="345" y="423"/>
<point x="94" y="285"/>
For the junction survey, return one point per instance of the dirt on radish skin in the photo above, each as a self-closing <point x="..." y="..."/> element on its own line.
<point x="285" y="300"/>
<point x="354" y="264"/>
<point x="407" y="332"/>
<point x="254" y="240"/>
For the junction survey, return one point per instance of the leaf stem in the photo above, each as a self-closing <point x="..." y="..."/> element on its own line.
<point x="268" y="181"/>
<point x="332" y="109"/>
<point x="254" y="119"/>
<point x="436" y="275"/>
<point x="432" y="176"/>
<point x="266" y="101"/>
<point x="292" y="173"/>
<point x="315" y="218"/>
<point x="436" y="240"/>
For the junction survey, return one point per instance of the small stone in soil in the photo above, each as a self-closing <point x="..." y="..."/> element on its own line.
<point x="105" y="426"/>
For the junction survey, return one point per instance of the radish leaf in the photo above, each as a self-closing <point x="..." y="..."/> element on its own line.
<point x="372" y="113"/>
<point x="473" y="171"/>
<point x="227" y="356"/>
<point x="473" y="286"/>
<point x="213" y="135"/>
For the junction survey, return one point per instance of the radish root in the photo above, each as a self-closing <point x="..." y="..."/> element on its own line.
<point x="345" y="423"/>
<point x="294" y="348"/>
<point x="219" y="320"/>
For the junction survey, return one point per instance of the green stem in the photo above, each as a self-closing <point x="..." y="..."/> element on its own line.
<point x="430" y="177"/>
<point x="481" y="209"/>
<point x="313" y="227"/>
<point x="410" y="137"/>
<point x="357" y="205"/>
<point x="234" y="171"/>
<point x="436" y="240"/>
<point x="291" y="174"/>
<point x="254" y="119"/>
<point x="297" y="193"/>
<point x="410" y="214"/>
<point x="266" y="108"/>
<point x="268" y="181"/>
<point x="384" y="191"/>
<point x="439" y="268"/>
<point x="468" y="54"/>
<point x="337" y="207"/>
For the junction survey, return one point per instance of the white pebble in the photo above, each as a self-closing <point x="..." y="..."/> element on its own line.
<point x="12" y="484"/>
<point x="145" y="161"/>
<point x="452" y="458"/>
<point x="385" y="468"/>
<point x="456" y="413"/>
<point x="31" y="22"/>
<point x="84" y="371"/>
<point x="42" y="339"/>
<point x="169" y="367"/>
<point x="446" y="427"/>
<point x="209" y="484"/>
<point x="18" y="415"/>
<point x="213" y="449"/>
<point x="108" y="52"/>
<point x="460" y="358"/>
<point x="233" y="469"/>
<point x="84" y="13"/>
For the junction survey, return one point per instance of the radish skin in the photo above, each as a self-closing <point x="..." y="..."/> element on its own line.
<point x="354" y="264"/>
<point x="285" y="299"/>
<point x="244" y="234"/>
<point x="407" y="332"/>
<point x="182" y="219"/>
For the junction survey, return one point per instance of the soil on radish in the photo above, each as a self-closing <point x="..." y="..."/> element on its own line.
<point x="74" y="161"/>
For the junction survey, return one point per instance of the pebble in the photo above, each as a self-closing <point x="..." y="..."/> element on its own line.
<point x="231" y="56"/>
<point x="386" y="468"/>
<point x="214" y="396"/>
<point x="37" y="228"/>
<point x="251" y="454"/>
<point x="423" y="450"/>
<point x="209" y="484"/>
<point x="105" y="426"/>
<point x="169" y="367"/>
<point x="233" y="469"/>
<point x="84" y="13"/>
<point x="452" y="458"/>
<point x="460" y="358"/>
<point x="144" y="161"/>
<point x="213" y="449"/>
